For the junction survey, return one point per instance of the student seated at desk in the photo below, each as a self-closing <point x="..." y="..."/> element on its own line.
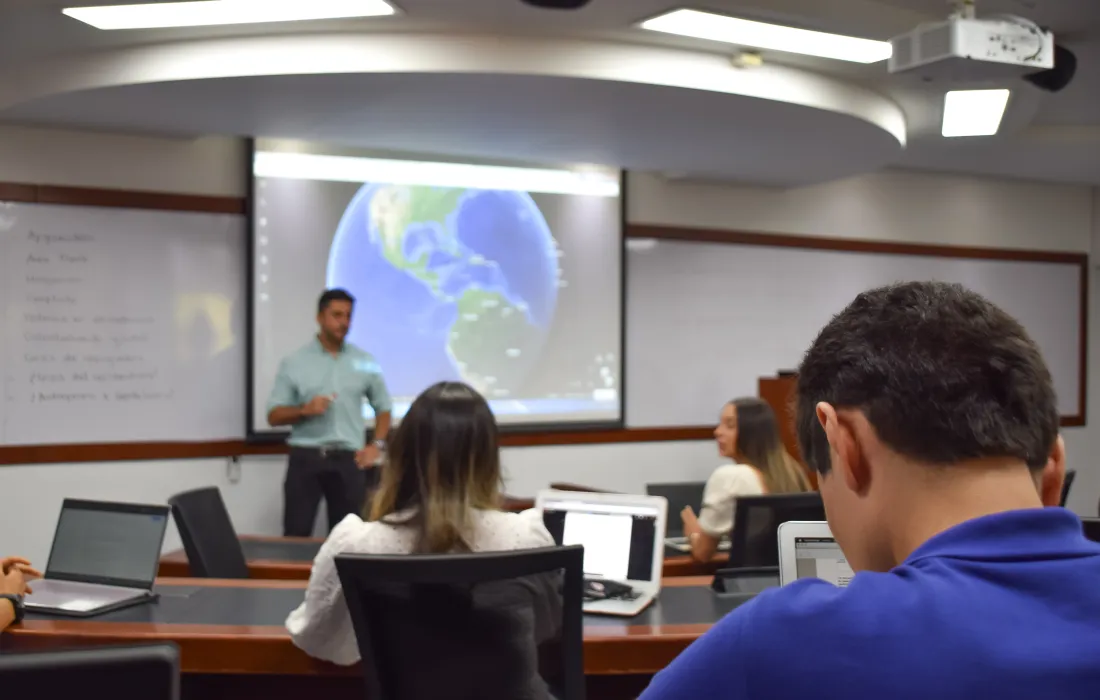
<point x="14" y="574"/>
<point x="748" y="434"/>
<point x="439" y="493"/>
<point x="931" y="417"/>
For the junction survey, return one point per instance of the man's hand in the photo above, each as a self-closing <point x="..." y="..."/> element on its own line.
<point x="367" y="457"/>
<point x="16" y="573"/>
<point x="317" y="406"/>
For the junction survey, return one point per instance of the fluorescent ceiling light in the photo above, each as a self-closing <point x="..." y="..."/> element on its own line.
<point x="211" y="12"/>
<point x="775" y="37"/>
<point x="973" y="112"/>
<point x="306" y="166"/>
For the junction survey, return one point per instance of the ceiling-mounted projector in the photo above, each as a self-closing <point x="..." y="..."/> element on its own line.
<point x="968" y="49"/>
<point x="557" y="4"/>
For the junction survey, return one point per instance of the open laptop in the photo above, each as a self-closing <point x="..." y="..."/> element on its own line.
<point x="623" y="539"/>
<point x="808" y="550"/>
<point x="104" y="557"/>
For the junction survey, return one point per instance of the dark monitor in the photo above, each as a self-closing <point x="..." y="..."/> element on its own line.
<point x="115" y="544"/>
<point x="755" y="538"/>
<point x="679" y="496"/>
<point x="122" y="673"/>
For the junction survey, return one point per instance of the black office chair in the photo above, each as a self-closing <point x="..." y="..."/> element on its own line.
<point x="1071" y="474"/>
<point x="149" y="672"/>
<point x="679" y="496"/>
<point x="482" y="626"/>
<point x="754" y="541"/>
<point x="211" y="544"/>
<point x="1091" y="528"/>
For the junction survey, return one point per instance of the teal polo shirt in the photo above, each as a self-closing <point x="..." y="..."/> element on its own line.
<point x="352" y="375"/>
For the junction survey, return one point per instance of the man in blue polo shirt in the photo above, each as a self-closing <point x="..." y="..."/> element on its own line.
<point x="319" y="393"/>
<point x="931" y="419"/>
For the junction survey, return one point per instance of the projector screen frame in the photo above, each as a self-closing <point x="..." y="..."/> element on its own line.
<point x="253" y="436"/>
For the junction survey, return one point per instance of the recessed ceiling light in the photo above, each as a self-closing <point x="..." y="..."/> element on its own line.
<point x="212" y="12"/>
<point x="973" y="112"/>
<point x="775" y="37"/>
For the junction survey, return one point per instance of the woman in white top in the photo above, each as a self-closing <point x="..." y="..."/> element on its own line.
<point x="748" y="434"/>
<point x="439" y="493"/>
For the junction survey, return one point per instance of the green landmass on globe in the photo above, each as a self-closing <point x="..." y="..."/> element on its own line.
<point x="479" y="278"/>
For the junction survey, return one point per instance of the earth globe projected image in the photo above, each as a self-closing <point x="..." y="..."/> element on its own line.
<point x="451" y="284"/>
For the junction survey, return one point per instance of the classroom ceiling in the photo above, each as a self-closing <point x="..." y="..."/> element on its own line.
<point x="581" y="103"/>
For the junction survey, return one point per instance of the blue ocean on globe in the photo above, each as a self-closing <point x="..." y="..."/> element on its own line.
<point x="450" y="284"/>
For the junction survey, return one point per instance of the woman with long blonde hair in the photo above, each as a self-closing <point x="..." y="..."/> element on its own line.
<point x="748" y="434"/>
<point x="439" y="493"/>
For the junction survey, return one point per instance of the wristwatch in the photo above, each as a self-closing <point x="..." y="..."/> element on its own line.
<point x="16" y="605"/>
<point x="381" y="445"/>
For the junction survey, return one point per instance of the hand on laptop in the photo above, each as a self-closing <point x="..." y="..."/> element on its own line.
<point x="16" y="572"/>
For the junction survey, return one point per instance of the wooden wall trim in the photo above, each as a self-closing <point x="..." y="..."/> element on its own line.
<point x="131" y="451"/>
<point x="850" y="245"/>
<point x="111" y="452"/>
<point x="122" y="199"/>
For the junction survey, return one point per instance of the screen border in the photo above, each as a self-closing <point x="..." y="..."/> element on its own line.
<point x="620" y="499"/>
<point x="272" y="436"/>
<point x="788" y="532"/>
<point x="109" y="507"/>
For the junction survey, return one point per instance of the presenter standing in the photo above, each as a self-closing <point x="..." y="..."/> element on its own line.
<point x="319" y="393"/>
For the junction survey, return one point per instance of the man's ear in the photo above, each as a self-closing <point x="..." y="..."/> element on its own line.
<point x="847" y="454"/>
<point x="1053" y="475"/>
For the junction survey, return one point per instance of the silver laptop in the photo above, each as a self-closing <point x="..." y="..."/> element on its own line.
<point x="809" y="550"/>
<point x="104" y="557"/>
<point x="623" y="539"/>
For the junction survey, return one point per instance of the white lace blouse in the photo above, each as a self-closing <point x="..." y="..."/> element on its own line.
<point x="321" y="626"/>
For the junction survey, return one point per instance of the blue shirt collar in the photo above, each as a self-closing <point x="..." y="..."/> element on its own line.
<point x="1034" y="533"/>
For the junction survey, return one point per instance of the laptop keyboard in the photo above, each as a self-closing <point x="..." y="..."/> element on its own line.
<point x="601" y="589"/>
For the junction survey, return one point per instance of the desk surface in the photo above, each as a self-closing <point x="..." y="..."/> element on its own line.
<point x="236" y="627"/>
<point x="291" y="558"/>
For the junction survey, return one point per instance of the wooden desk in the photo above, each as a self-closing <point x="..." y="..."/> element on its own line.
<point x="233" y="643"/>
<point x="291" y="559"/>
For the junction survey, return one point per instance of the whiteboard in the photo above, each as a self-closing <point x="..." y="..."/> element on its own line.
<point x="706" y="320"/>
<point x="120" y="325"/>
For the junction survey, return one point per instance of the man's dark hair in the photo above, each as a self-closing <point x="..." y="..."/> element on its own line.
<point x="941" y="373"/>
<point x="331" y="295"/>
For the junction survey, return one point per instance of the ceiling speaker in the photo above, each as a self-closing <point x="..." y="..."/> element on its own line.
<point x="557" y="4"/>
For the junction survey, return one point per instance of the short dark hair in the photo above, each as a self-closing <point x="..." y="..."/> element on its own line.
<point x="331" y="295"/>
<point x="940" y="372"/>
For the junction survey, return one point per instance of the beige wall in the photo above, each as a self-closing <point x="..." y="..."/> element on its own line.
<point x="897" y="206"/>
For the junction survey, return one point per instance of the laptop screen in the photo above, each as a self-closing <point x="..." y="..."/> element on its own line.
<point x="820" y="557"/>
<point x="618" y="539"/>
<point x="110" y="543"/>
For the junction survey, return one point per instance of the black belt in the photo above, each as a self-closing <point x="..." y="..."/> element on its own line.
<point x="324" y="452"/>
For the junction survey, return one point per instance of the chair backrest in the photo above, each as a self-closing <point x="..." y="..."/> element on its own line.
<point x="755" y="537"/>
<point x="1091" y="528"/>
<point x="468" y="626"/>
<point x="1071" y="474"/>
<point x="122" y="673"/>
<point x="679" y="496"/>
<point x="211" y="544"/>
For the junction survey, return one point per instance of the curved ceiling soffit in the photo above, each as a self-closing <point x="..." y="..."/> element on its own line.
<point x="438" y="53"/>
